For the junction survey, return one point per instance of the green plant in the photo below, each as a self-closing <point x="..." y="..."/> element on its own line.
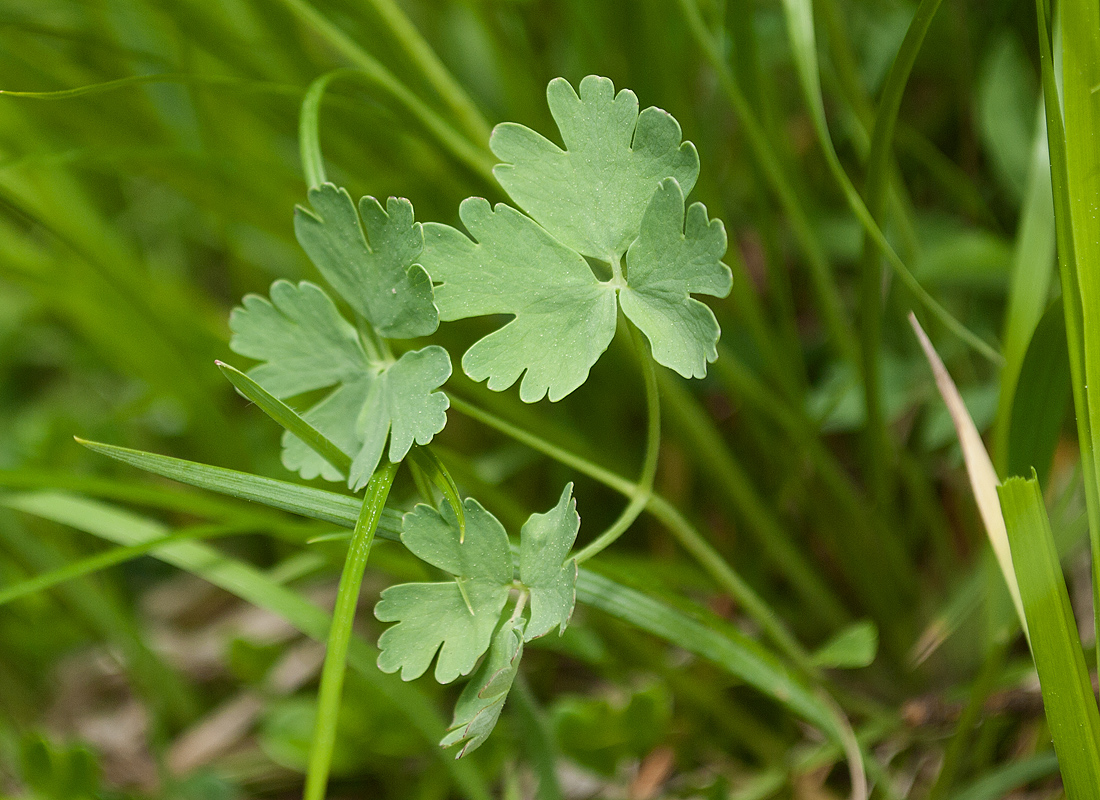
<point x="866" y="158"/>
<point x="614" y="196"/>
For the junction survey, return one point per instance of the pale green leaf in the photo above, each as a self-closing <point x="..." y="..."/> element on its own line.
<point x="591" y="196"/>
<point x="479" y="706"/>
<point x="545" y="541"/>
<point x="378" y="275"/>
<point x="618" y="189"/>
<point x="307" y="345"/>
<point x="665" y="265"/>
<point x="300" y="336"/>
<point x="455" y="618"/>
<point x="564" y="317"/>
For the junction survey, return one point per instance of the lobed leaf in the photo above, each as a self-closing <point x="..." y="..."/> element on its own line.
<point x="479" y="706"/>
<point x="454" y="618"/>
<point x="305" y="345"/>
<point x="665" y="265"/>
<point x="592" y="195"/>
<point x="377" y="274"/>
<point x="545" y="541"/>
<point x="300" y="336"/>
<point x="618" y="189"/>
<point x="564" y="317"/>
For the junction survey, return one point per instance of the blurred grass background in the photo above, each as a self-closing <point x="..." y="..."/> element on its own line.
<point x="132" y="219"/>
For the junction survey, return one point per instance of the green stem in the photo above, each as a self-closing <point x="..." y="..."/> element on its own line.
<point x="811" y="89"/>
<point x="832" y="309"/>
<point x="1071" y="296"/>
<point x="643" y="489"/>
<point x="719" y="465"/>
<point x="339" y="637"/>
<point x="424" y="57"/>
<point x="686" y="534"/>
<point x="879" y="448"/>
<point x="369" y="67"/>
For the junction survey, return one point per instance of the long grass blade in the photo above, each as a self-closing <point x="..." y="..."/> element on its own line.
<point x="979" y="467"/>
<point x="1068" y="700"/>
<point x="319" y="504"/>
<point x="287" y="417"/>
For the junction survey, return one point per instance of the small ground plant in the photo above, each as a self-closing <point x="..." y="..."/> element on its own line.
<point x="809" y="602"/>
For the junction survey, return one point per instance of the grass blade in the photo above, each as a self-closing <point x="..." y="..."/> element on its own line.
<point x="287" y="417"/>
<point x="1042" y="398"/>
<point x="340" y="509"/>
<point x="424" y="459"/>
<point x="800" y="28"/>
<point x="1068" y="700"/>
<point x="109" y="558"/>
<point x="983" y="478"/>
<point x="251" y="585"/>
<point x="1080" y="31"/>
<point x="339" y="637"/>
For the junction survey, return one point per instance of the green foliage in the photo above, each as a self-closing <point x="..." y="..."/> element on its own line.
<point x="1068" y="698"/>
<point x="479" y="706"/>
<point x="599" y="732"/>
<point x="616" y="192"/>
<point x="807" y="483"/>
<point x="460" y="619"/>
<point x="373" y="400"/>
<point x="380" y="280"/>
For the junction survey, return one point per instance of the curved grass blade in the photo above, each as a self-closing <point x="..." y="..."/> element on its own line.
<point x="287" y="417"/>
<point x="309" y="129"/>
<point x="800" y="27"/>
<point x="339" y="637"/>
<point x="1068" y="700"/>
<point x="251" y="585"/>
<point x="162" y="77"/>
<point x="983" y="478"/>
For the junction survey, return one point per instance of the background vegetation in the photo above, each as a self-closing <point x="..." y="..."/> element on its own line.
<point x="816" y="457"/>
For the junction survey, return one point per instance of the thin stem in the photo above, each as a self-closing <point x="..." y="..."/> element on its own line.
<point x="424" y="57"/>
<point x="879" y="448"/>
<point x="368" y="66"/>
<point x="689" y="538"/>
<point x="643" y="489"/>
<point x="832" y="309"/>
<point x="339" y="637"/>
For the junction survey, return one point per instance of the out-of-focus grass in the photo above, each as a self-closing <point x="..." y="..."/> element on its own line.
<point x="133" y="219"/>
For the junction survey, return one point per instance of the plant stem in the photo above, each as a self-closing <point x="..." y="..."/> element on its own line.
<point x="343" y="615"/>
<point x="643" y="489"/>
<point x="832" y="309"/>
<point x="424" y="57"/>
<point x="878" y="447"/>
<point x="690" y="538"/>
<point x="369" y="67"/>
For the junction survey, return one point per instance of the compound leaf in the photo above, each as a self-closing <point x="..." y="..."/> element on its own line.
<point x="376" y="274"/>
<point x="306" y="345"/>
<point x="617" y="189"/>
<point x="564" y="316"/>
<point x="455" y="618"/>
<point x="300" y="336"/>
<point x="545" y="541"/>
<point x="479" y="706"/>
<point x="665" y="265"/>
<point x="591" y="196"/>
